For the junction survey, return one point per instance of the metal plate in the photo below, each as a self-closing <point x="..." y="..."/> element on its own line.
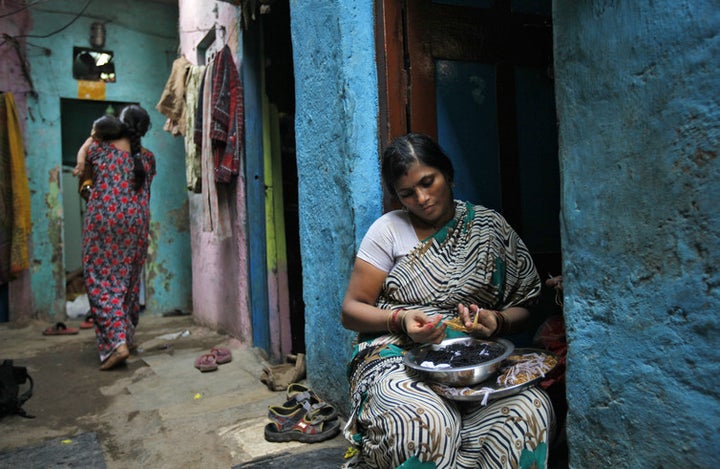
<point x="489" y="389"/>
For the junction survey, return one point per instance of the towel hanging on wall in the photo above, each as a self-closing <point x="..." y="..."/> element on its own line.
<point x="15" y="221"/>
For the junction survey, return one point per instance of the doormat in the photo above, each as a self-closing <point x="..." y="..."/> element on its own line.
<point x="324" y="458"/>
<point x="78" y="451"/>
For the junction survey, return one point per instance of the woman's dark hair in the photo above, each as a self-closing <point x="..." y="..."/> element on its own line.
<point x="108" y="127"/>
<point x="137" y="123"/>
<point x="409" y="149"/>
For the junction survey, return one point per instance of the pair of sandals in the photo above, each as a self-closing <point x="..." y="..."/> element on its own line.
<point x="60" y="328"/>
<point x="304" y="417"/>
<point x="210" y="361"/>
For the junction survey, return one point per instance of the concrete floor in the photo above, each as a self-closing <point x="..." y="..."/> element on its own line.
<point x="157" y="411"/>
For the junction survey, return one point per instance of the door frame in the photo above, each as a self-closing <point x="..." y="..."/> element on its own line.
<point x="402" y="38"/>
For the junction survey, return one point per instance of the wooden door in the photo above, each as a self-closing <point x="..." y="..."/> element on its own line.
<point x="477" y="76"/>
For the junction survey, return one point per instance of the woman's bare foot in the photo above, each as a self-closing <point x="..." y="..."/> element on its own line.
<point x="118" y="356"/>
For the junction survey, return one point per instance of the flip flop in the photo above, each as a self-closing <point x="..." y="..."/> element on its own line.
<point x="206" y="362"/>
<point x="88" y="323"/>
<point x="221" y="354"/>
<point x="60" y="329"/>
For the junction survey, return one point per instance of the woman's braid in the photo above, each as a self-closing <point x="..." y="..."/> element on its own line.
<point x="137" y="124"/>
<point x="136" y="149"/>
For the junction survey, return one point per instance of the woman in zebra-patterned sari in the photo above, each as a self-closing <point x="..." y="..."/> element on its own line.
<point x="437" y="258"/>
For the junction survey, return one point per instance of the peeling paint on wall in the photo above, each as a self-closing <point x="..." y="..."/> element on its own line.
<point x="155" y="274"/>
<point x="180" y="217"/>
<point x="54" y="236"/>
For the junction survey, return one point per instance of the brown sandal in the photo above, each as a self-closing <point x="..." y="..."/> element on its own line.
<point x="119" y="355"/>
<point x="279" y="377"/>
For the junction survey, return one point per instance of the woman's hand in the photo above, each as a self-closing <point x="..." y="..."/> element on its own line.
<point x="78" y="169"/>
<point x="423" y="329"/>
<point x="479" y="322"/>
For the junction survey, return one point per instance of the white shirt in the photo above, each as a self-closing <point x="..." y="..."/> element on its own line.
<point x="388" y="240"/>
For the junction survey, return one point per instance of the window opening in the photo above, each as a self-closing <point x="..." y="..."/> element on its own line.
<point x="93" y="64"/>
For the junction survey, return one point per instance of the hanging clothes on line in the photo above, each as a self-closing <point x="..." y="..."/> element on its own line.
<point x="193" y="168"/>
<point x="15" y="221"/>
<point x="226" y="116"/>
<point x="214" y="208"/>
<point x="172" y="100"/>
<point x="219" y="133"/>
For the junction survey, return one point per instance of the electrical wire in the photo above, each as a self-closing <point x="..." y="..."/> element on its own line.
<point x="77" y="17"/>
<point x="21" y="36"/>
<point x="29" y="5"/>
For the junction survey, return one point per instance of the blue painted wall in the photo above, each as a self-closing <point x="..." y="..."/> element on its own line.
<point x="337" y="159"/>
<point x="144" y="38"/>
<point x="637" y="98"/>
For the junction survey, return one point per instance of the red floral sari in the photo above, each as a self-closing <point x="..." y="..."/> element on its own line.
<point x="115" y="243"/>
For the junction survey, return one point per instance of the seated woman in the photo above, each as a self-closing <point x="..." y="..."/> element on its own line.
<point x="434" y="260"/>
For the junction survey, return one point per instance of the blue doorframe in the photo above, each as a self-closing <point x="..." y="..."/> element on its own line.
<point x="255" y="186"/>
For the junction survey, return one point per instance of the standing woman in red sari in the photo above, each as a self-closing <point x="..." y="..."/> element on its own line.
<point x="115" y="234"/>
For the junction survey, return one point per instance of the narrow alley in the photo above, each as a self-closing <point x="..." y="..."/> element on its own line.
<point x="158" y="411"/>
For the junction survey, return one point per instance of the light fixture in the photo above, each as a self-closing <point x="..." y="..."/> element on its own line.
<point x="97" y="35"/>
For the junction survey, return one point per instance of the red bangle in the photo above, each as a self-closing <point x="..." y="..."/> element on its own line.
<point x="393" y="322"/>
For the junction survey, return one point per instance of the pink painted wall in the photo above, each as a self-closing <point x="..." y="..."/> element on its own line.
<point x="219" y="265"/>
<point x="12" y="77"/>
<point x="12" y="80"/>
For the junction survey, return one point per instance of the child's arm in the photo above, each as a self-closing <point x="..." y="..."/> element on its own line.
<point x="81" y="155"/>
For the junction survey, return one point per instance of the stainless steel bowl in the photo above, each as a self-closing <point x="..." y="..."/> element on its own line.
<point x="460" y="376"/>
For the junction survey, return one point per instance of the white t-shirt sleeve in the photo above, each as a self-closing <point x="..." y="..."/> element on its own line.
<point x="388" y="240"/>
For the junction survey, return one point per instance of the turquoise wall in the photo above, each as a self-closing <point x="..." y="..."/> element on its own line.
<point x="638" y="104"/>
<point x="339" y="183"/>
<point x="144" y="38"/>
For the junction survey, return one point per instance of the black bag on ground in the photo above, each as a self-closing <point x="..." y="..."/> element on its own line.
<point x="11" y="378"/>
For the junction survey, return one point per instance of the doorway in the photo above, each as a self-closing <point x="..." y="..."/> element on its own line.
<point x="477" y="76"/>
<point x="76" y="119"/>
<point x="280" y="91"/>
